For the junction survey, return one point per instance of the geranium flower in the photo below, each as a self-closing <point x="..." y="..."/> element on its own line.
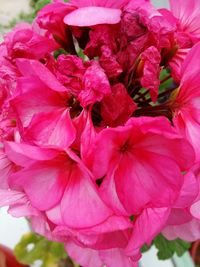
<point x="184" y="103"/>
<point x="187" y="13"/>
<point x="183" y="221"/>
<point x="131" y="153"/>
<point x="99" y="138"/>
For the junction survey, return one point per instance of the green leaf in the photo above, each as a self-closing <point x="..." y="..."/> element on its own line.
<point x="167" y="248"/>
<point x="145" y="248"/>
<point x="59" y="52"/>
<point x="33" y="247"/>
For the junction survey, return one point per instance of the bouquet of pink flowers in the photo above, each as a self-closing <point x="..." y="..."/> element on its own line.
<point x="100" y="126"/>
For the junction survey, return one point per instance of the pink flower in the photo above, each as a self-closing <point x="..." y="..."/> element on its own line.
<point x="38" y="90"/>
<point x="8" y="76"/>
<point x="185" y="16"/>
<point x="51" y="19"/>
<point x="187" y="12"/>
<point x="118" y="107"/>
<point x="68" y="181"/>
<point x="141" y="148"/>
<point x="150" y="59"/>
<point x="133" y="151"/>
<point x="87" y="81"/>
<point x="96" y="85"/>
<point x="96" y="151"/>
<point x="6" y="168"/>
<point x="103" y="44"/>
<point x="88" y="257"/>
<point x="176" y="63"/>
<point x="89" y="13"/>
<point x="184" y="103"/>
<point x="23" y="42"/>
<point x="184" y="220"/>
<point x="89" y="85"/>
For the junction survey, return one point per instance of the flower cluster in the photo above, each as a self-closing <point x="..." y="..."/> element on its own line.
<point x="100" y="126"/>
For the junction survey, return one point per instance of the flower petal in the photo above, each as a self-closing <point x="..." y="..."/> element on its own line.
<point x="81" y="205"/>
<point x="89" y="16"/>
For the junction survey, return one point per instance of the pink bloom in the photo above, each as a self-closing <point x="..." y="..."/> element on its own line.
<point x="103" y="44"/>
<point x="88" y="82"/>
<point x="51" y="19"/>
<point x="184" y="104"/>
<point x="89" y="156"/>
<point x="67" y="180"/>
<point x="38" y="91"/>
<point x="144" y="147"/>
<point x="185" y="15"/>
<point x="8" y="76"/>
<point x="129" y="236"/>
<point x="6" y="168"/>
<point x="23" y="42"/>
<point x="188" y="231"/>
<point x="176" y="63"/>
<point x="102" y="36"/>
<point x="89" y="257"/>
<point x="70" y="71"/>
<point x="109" y="63"/>
<point x="118" y="107"/>
<point x="97" y="237"/>
<point x="183" y="221"/>
<point x="150" y="58"/>
<point x="148" y="224"/>
<point x="19" y="205"/>
<point x="89" y="13"/>
<point x="96" y="85"/>
<point x="17" y="201"/>
<point x="51" y="129"/>
<point x="187" y="12"/>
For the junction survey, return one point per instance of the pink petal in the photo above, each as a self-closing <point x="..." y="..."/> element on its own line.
<point x="96" y="85"/>
<point x="35" y="68"/>
<point x="23" y="154"/>
<point x="165" y="142"/>
<point x="35" y="97"/>
<point x="9" y="197"/>
<point x="84" y="256"/>
<point x="188" y="125"/>
<point x="6" y="168"/>
<point x="189" y="191"/>
<point x="109" y="195"/>
<point x="189" y="231"/>
<point x="100" y="236"/>
<point x="88" y="137"/>
<point x="190" y="76"/>
<point x="81" y="205"/>
<point x="195" y="209"/>
<point x="187" y="12"/>
<point x="179" y="216"/>
<point x="44" y="183"/>
<point x="117" y="257"/>
<point x="51" y="129"/>
<point x="55" y="215"/>
<point x="146" y="227"/>
<point x="19" y="205"/>
<point x="89" y="16"/>
<point x="157" y="177"/>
